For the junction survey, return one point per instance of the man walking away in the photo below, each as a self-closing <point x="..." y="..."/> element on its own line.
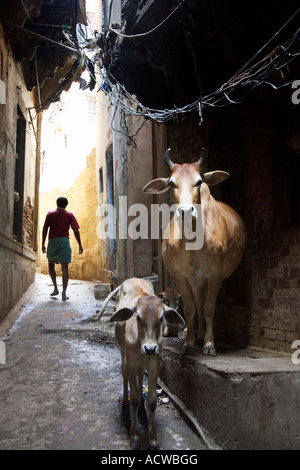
<point x="59" y="249"/>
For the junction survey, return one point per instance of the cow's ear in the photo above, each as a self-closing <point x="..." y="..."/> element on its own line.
<point x="157" y="186"/>
<point x="122" y="315"/>
<point x="173" y="318"/>
<point x="214" y="177"/>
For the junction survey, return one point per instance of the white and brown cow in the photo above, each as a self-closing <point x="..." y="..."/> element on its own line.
<point x="138" y="330"/>
<point x="224" y="239"/>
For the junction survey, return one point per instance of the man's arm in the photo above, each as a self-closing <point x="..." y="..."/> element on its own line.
<point x="44" y="235"/>
<point x="77" y="236"/>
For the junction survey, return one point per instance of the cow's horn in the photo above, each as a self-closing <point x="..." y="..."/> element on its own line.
<point x="168" y="160"/>
<point x="203" y="157"/>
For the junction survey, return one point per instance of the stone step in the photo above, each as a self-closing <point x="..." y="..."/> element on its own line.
<point x="245" y="399"/>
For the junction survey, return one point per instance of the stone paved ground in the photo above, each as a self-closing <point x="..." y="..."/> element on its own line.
<point x="60" y="384"/>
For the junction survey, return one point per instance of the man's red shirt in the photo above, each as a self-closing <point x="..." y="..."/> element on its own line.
<point x="59" y="222"/>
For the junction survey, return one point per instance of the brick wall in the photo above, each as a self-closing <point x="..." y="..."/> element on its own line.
<point x="82" y="199"/>
<point x="275" y="295"/>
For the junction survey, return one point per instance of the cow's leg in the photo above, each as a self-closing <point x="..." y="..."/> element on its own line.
<point x="189" y="312"/>
<point x="153" y="371"/>
<point x="209" y="310"/>
<point x="198" y="296"/>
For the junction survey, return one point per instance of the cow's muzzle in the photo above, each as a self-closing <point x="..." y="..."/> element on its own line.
<point x="186" y="209"/>
<point x="150" y="350"/>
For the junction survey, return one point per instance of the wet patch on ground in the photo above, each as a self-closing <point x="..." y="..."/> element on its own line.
<point x="61" y="383"/>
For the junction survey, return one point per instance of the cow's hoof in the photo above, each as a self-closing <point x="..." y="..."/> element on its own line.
<point x="135" y="443"/>
<point x="153" y="445"/>
<point x="188" y="351"/>
<point x="209" y="350"/>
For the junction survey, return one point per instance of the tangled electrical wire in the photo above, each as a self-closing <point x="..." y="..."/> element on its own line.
<point x="253" y="74"/>
<point x="234" y="91"/>
<point x="94" y="51"/>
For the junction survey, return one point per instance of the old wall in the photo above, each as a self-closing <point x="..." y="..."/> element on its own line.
<point x="140" y="170"/>
<point x="258" y="143"/>
<point x="17" y="256"/>
<point x="105" y="163"/>
<point x="82" y="199"/>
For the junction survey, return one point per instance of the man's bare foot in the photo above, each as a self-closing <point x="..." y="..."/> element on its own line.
<point x="64" y="297"/>
<point x="55" y="292"/>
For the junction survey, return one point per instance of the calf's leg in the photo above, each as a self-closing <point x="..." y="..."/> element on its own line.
<point x="153" y="372"/>
<point x="125" y="415"/>
<point x="135" y="380"/>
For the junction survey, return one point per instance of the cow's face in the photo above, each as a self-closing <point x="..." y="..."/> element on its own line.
<point x="186" y="181"/>
<point x="149" y="313"/>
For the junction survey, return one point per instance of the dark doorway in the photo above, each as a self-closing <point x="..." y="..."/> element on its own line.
<point x="19" y="178"/>
<point x="111" y="201"/>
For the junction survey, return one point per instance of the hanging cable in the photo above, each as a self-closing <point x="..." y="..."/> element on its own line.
<point x="25" y="10"/>
<point x="39" y="35"/>
<point x="265" y="45"/>
<point x="234" y="91"/>
<point x="139" y="35"/>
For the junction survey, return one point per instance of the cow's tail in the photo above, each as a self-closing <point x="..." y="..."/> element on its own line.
<point x="98" y="315"/>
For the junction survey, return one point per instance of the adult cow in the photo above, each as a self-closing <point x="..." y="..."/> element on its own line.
<point x="200" y="270"/>
<point x="138" y="330"/>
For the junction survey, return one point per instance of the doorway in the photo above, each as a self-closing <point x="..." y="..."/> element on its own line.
<point x="110" y="190"/>
<point x="19" y="178"/>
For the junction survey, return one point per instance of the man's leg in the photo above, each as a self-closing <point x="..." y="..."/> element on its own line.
<point x="52" y="274"/>
<point x="65" y="279"/>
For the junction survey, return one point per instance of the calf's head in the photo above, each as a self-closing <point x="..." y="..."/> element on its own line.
<point x="149" y="314"/>
<point x="186" y="181"/>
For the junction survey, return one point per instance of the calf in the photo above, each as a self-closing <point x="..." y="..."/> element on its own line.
<point x="172" y="298"/>
<point x="138" y="331"/>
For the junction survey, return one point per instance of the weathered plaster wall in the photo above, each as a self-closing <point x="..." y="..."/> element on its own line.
<point x="17" y="260"/>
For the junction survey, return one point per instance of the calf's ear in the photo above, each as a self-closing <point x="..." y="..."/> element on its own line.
<point x="173" y="318"/>
<point x="122" y="315"/>
<point x="157" y="186"/>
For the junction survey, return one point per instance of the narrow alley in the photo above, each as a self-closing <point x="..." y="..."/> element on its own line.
<point x="151" y="117"/>
<point x="60" y="385"/>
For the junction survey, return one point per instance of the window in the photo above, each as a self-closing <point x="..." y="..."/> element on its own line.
<point x="92" y="109"/>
